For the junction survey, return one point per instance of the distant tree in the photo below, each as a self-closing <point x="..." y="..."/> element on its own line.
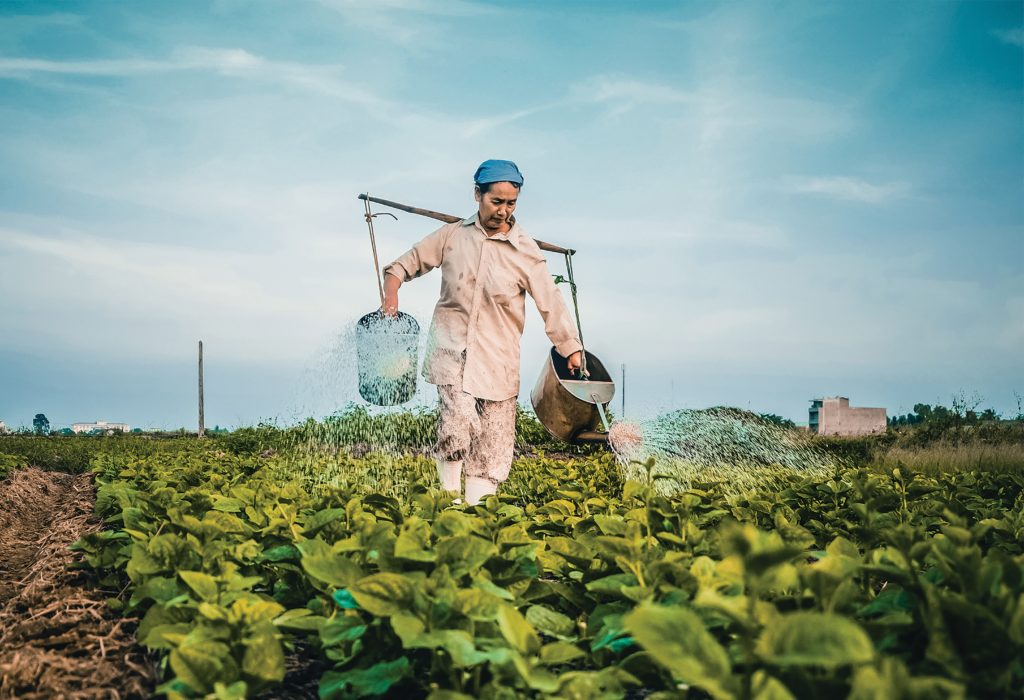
<point x="40" y="424"/>
<point x="777" y="420"/>
<point x="989" y="414"/>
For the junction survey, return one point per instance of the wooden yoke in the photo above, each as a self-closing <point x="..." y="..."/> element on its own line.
<point x="450" y="219"/>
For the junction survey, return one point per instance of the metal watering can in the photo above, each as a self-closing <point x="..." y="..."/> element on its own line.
<point x="571" y="408"/>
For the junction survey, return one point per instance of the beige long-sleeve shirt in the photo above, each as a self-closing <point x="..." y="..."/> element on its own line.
<point x="484" y="282"/>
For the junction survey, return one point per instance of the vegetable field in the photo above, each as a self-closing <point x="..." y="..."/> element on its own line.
<point x="309" y="572"/>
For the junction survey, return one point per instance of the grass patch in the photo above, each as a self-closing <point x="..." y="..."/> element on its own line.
<point x="943" y="458"/>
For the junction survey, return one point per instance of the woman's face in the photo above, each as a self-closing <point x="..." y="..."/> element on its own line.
<point x="497" y="205"/>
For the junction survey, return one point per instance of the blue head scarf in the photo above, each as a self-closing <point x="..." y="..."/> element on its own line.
<point x="498" y="171"/>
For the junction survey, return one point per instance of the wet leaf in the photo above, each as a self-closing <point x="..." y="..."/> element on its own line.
<point x="815" y="639"/>
<point x="676" y="639"/>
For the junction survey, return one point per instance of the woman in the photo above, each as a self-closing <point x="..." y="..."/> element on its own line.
<point x="488" y="265"/>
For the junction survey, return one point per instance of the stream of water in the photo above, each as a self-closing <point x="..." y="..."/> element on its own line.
<point x="737" y="449"/>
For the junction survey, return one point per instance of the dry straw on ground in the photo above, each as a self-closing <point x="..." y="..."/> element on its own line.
<point x="58" y="638"/>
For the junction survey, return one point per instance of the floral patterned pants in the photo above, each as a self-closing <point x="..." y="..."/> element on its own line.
<point x="482" y="433"/>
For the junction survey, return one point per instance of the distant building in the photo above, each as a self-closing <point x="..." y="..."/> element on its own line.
<point x="834" y="416"/>
<point x="101" y="426"/>
<point x="3" y="427"/>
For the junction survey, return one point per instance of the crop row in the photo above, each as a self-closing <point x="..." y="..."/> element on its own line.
<point x="572" y="585"/>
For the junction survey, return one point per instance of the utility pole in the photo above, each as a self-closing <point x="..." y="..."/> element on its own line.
<point x="202" y="427"/>
<point x="623" y="390"/>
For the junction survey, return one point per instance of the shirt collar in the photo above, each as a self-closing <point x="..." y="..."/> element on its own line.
<point x="512" y="236"/>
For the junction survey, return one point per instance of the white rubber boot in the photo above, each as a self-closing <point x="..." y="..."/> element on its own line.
<point x="478" y="488"/>
<point x="450" y="474"/>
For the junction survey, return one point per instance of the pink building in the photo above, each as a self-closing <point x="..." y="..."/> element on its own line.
<point x="835" y="416"/>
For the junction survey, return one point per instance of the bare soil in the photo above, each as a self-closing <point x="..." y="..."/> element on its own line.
<point x="58" y="637"/>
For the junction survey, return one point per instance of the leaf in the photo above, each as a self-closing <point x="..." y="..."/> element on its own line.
<point x="676" y="639"/>
<point x="345" y="600"/>
<point x="158" y="616"/>
<point x="892" y="600"/>
<point x="204" y="585"/>
<point x="213" y="612"/>
<point x="538" y="678"/>
<point x="300" y="619"/>
<point x="1016" y="627"/>
<point x="321" y="519"/>
<point x="215" y="523"/>
<point x="341" y="629"/>
<point x="159" y="588"/>
<point x="489" y="587"/>
<point x="610" y="631"/>
<point x="574" y="552"/>
<point x="448" y="695"/>
<point x="413" y="541"/>
<point x="559" y="653"/>
<point x="451" y="523"/>
<point x="517" y="631"/>
<point x="612" y="585"/>
<point x="324" y="565"/>
<point x="142" y="564"/>
<point x="359" y="682"/>
<point x="284" y="552"/>
<point x="464" y="553"/>
<point x="458" y="643"/>
<point x="408" y="627"/>
<point x="238" y="690"/>
<point x="841" y="561"/>
<point x="815" y="639"/>
<point x="264" y="658"/>
<point x="199" y="664"/>
<point x="477" y="604"/>
<point x="768" y="688"/>
<point x="464" y="652"/>
<point x="842" y="547"/>
<point x="550" y="622"/>
<point x="383" y="594"/>
<point x="166" y="636"/>
<point x="734" y="607"/>
<point x="228" y="505"/>
<point x="889" y="678"/>
<point x="761" y="562"/>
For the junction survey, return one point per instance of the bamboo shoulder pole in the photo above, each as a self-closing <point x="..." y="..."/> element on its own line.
<point x="451" y="219"/>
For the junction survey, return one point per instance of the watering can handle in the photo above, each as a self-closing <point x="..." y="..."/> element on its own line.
<point x="450" y="219"/>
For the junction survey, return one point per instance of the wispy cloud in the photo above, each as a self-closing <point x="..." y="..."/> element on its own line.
<point x="242" y="297"/>
<point x="33" y="22"/>
<point x="1013" y="36"/>
<point x="175" y="267"/>
<point x="851" y="188"/>
<point x="443" y="8"/>
<point x="415" y="25"/>
<point x="622" y="93"/>
<point x="323" y="79"/>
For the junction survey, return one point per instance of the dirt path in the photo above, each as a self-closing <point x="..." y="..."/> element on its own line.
<point x="58" y="638"/>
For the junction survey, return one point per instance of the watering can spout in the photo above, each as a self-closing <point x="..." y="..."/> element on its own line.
<point x="591" y="437"/>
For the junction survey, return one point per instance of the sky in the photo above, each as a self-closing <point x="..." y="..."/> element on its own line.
<point x="771" y="201"/>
